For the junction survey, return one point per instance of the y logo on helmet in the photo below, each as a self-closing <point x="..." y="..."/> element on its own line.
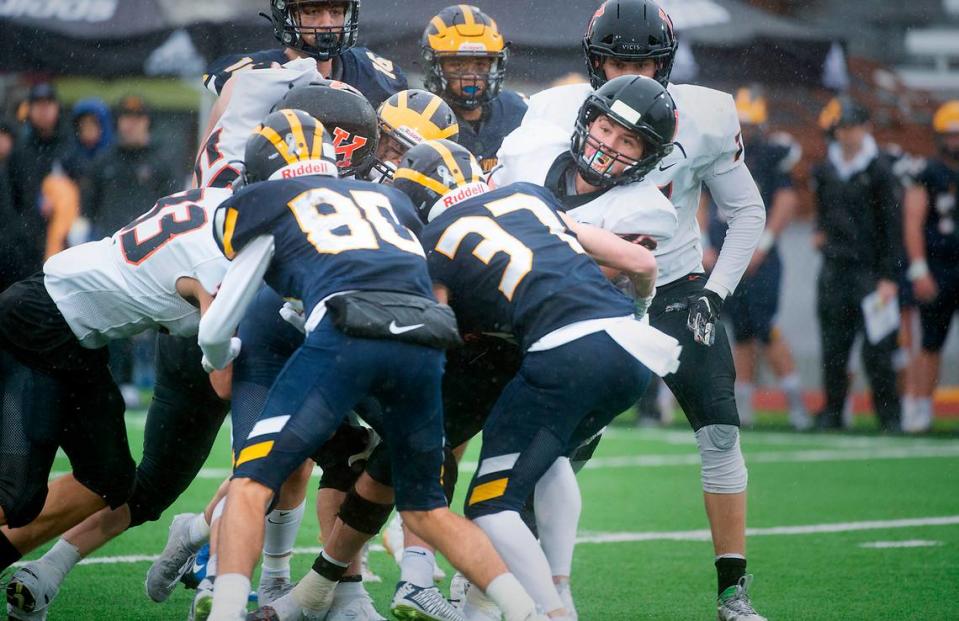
<point x="345" y="150"/>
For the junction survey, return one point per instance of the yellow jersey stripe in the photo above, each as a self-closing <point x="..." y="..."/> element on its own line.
<point x="254" y="451"/>
<point x="488" y="491"/>
<point x="229" y="227"/>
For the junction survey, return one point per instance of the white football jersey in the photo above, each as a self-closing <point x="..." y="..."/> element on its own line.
<point x="529" y="152"/>
<point x="125" y="284"/>
<point x="708" y="143"/>
<point x="254" y="94"/>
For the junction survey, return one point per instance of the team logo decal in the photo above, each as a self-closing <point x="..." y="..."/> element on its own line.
<point x="345" y="147"/>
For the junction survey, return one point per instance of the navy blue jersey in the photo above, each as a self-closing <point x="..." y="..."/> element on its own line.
<point x="500" y="117"/>
<point x="942" y="238"/>
<point x="330" y="235"/>
<point x="374" y="76"/>
<point x="512" y="266"/>
<point x="765" y="161"/>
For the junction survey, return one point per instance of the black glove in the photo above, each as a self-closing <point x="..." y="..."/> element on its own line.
<point x="703" y="315"/>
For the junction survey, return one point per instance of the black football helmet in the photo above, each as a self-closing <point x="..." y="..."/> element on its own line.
<point x="348" y="117"/>
<point x="630" y="30"/>
<point x="287" y="28"/>
<point x="433" y="169"/>
<point x="460" y="31"/>
<point x="291" y="143"/>
<point x="641" y="105"/>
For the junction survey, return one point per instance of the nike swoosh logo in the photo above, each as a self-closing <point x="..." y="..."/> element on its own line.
<point x="662" y="168"/>
<point x="395" y="329"/>
<point x="198" y="568"/>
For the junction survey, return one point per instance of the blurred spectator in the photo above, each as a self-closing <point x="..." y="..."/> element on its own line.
<point x="127" y="178"/>
<point x="93" y="129"/>
<point x="753" y="306"/>
<point x="859" y="231"/>
<point x="932" y="245"/>
<point x="125" y="181"/>
<point x="40" y="143"/>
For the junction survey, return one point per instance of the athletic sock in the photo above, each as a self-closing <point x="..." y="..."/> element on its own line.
<point x="211" y="567"/>
<point x="282" y="526"/>
<point x="8" y="554"/>
<point x="792" y="387"/>
<point x="506" y="591"/>
<point x="62" y="557"/>
<point x="924" y="414"/>
<point x="729" y="569"/>
<point x="199" y="532"/>
<point x="744" y="403"/>
<point x="417" y="565"/>
<point x="230" y="594"/>
<point x="315" y="590"/>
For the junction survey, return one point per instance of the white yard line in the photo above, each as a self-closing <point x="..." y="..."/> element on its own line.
<point x="681" y="535"/>
<point x="909" y="543"/>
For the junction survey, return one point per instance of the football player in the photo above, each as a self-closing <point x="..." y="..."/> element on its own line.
<point x="465" y="58"/>
<point x="160" y="271"/>
<point x="637" y="37"/>
<point x="508" y="263"/>
<point x="932" y="244"/>
<point x="754" y="304"/>
<point x="340" y="246"/>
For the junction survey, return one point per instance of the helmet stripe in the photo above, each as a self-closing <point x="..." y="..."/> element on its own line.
<point x="467" y="14"/>
<point x="431" y="108"/>
<point x="420" y="178"/>
<point x="403" y="99"/>
<point x="278" y="143"/>
<point x="450" y="161"/>
<point x="317" y="151"/>
<point x="438" y="23"/>
<point x="299" y="137"/>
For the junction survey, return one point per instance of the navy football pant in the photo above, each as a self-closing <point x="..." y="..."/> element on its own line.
<point x="323" y="381"/>
<point x="559" y="399"/>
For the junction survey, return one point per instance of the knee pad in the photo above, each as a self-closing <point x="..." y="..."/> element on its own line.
<point x="362" y="515"/>
<point x="723" y="467"/>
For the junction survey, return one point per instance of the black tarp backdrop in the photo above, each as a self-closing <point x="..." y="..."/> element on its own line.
<point x="724" y="41"/>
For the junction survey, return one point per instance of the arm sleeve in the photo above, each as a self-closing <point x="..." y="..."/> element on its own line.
<point x="889" y="219"/>
<point x="240" y="284"/>
<point x="738" y="198"/>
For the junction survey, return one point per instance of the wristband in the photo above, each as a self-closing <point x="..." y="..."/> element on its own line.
<point x="766" y="241"/>
<point x="917" y="269"/>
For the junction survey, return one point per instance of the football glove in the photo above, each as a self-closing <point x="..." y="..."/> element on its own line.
<point x="704" y="310"/>
<point x="234" y="351"/>
<point x="293" y="314"/>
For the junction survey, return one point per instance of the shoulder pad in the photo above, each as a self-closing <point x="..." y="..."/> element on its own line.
<point x="636" y="208"/>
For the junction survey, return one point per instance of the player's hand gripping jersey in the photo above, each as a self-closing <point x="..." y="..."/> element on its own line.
<point x="708" y="144"/>
<point x="539" y="147"/>
<point x="122" y="285"/>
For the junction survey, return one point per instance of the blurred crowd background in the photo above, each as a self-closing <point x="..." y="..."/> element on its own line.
<point x="101" y="104"/>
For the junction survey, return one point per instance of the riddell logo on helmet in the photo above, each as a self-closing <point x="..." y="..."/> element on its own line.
<point x="472" y="46"/>
<point x="467" y="191"/>
<point x="302" y="169"/>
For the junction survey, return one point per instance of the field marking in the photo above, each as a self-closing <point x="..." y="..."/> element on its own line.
<point x="692" y="459"/>
<point x="681" y="535"/>
<point x="909" y="543"/>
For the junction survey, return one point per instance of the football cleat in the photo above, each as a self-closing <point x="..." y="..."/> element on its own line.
<point x="285" y="608"/>
<point x="175" y="560"/>
<point x="271" y="589"/>
<point x="202" y="601"/>
<point x="197" y="572"/>
<point x="734" y="604"/>
<point x="478" y="607"/>
<point x="393" y="538"/>
<point x="31" y="590"/>
<point x="365" y="570"/>
<point x="413" y="603"/>
<point x="458" y="587"/>
<point x="353" y="608"/>
<point x="566" y="594"/>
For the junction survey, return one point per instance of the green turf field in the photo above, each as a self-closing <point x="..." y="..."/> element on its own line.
<point x="843" y="527"/>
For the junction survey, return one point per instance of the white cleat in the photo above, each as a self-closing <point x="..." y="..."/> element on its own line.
<point x="365" y="570"/>
<point x="393" y="538"/>
<point x="271" y="589"/>
<point x="31" y="590"/>
<point x="566" y="594"/>
<point x="353" y="608"/>
<point x="413" y="603"/>
<point x="202" y="601"/>
<point x="734" y="604"/>
<point x="478" y="607"/>
<point x="175" y="560"/>
<point x="458" y="586"/>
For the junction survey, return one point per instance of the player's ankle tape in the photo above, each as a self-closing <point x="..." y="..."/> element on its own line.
<point x="353" y="578"/>
<point x="329" y="569"/>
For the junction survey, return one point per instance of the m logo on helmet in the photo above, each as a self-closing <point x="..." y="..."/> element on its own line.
<point x="345" y="147"/>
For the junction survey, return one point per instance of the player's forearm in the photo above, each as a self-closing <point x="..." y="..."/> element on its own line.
<point x="739" y="199"/>
<point x="916" y="208"/>
<point x="609" y="250"/>
<point x="239" y="286"/>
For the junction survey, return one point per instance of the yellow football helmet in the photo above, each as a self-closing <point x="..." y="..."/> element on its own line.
<point x="407" y="119"/>
<point x="462" y="31"/>
<point x="751" y="107"/>
<point x="946" y="119"/>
